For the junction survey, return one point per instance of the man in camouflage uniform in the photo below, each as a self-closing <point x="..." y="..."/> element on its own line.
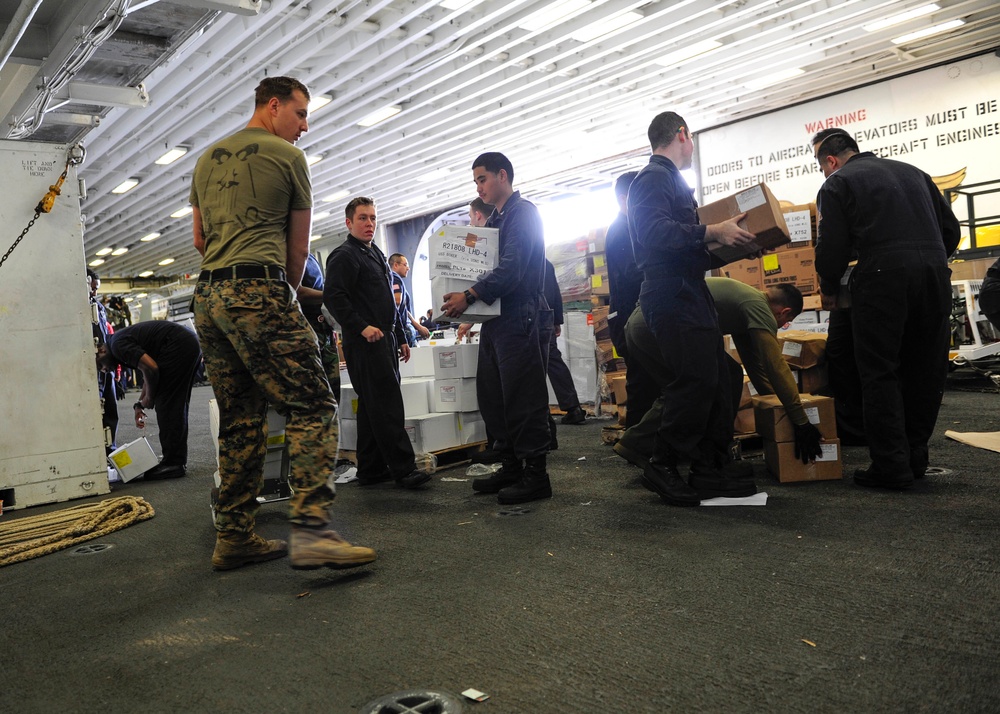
<point x="252" y="200"/>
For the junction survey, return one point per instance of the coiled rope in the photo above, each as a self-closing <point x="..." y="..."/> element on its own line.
<point x="26" y="538"/>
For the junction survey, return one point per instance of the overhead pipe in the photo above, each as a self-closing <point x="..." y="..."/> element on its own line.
<point x="16" y="29"/>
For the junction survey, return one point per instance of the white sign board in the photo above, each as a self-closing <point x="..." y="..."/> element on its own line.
<point x="944" y="120"/>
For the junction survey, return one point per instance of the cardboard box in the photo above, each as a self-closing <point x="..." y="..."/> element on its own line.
<point x="597" y="263"/>
<point x="802" y="349"/>
<point x="432" y="432"/>
<point x="455" y="395"/>
<point x="349" y="435"/>
<point x="463" y="252"/>
<point x="595" y="240"/>
<point x="812" y="302"/>
<point x="797" y="267"/>
<point x="348" y="402"/>
<point x="616" y="384"/>
<point x="764" y="219"/>
<point x="747" y="271"/>
<point x="421" y="363"/>
<point x="480" y="312"/>
<point x="599" y="319"/>
<point x="471" y="427"/>
<point x="744" y="422"/>
<point x="455" y="361"/>
<point x="133" y="459"/>
<point x="416" y="393"/>
<point x="275" y="429"/>
<point x="813" y="379"/>
<point x="773" y="422"/>
<point x="970" y="269"/>
<point x="599" y="284"/>
<point x="781" y="462"/>
<point x="801" y="222"/>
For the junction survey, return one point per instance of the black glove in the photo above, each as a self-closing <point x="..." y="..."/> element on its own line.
<point x="807" y="439"/>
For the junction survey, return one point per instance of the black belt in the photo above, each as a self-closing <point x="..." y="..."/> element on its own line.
<point x="242" y="272"/>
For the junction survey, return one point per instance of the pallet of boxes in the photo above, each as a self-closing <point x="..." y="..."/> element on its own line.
<point x="571" y="262"/>
<point x="788" y="235"/>
<point x="609" y="363"/>
<point x="438" y="383"/>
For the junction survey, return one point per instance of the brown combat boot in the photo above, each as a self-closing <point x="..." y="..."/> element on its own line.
<point x="234" y="550"/>
<point x="318" y="548"/>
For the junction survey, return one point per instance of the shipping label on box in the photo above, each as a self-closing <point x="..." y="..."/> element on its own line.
<point x="802" y="349"/>
<point x="782" y="462"/>
<point x="764" y="219"/>
<point x="463" y="252"/>
<point x="799" y="227"/>
<point x="455" y="395"/>
<point x="773" y="422"/>
<point x="133" y="459"/>
<point x="797" y="267"/>
<point x="455" y="361"/>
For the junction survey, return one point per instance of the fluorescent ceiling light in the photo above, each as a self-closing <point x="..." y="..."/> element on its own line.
<point x="119" y="251"/>
<point x="435" y="175"/>
<point x="321" y="215"/>
<point x="686" y="53"/>
<point x="413" y="201"/>
<point x="457" y="4"/>
<point x="380" y="115"/>
<point x="603" y="27"/>
<point x="171" y="156"/>
<point x="130" y="299"/>
<point x="336" y="196"/>
<point x="142" y="295"/>
<point x="97" y="261"/>
<point x="181" y="212"/>
<point x="550" y="14"/>
<point x="125" y="186"/>
<point x="927" y="31"/>
<point x="314" y="159"/>
<point x="318" y="102"/>
<point x="902" y="17"/>
<point x="150" y="236"/>
<point x="774" y="78"/>
<point x="105" y="251"/>
<point x="166" y="261"/>
<point x="146" y="274"/>
<point x="315" y="236"/>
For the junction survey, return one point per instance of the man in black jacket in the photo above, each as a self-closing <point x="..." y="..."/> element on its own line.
<point x="903" y="230"/>
<point x="358" y="294"/>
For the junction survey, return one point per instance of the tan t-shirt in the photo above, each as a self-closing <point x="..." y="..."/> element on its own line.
<point x="245" y="186"/>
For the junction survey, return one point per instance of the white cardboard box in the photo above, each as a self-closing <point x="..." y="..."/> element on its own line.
<point x="348" y="402"/>
<point x="480" y="312"/>
<point x="455" y="361"/>
<point x="432" y="432"/>
<point x="275" y="428"/>
<point x="471" y="427"/>
<point x="349" y="434"/>
<point x="416" y="393"/>
<point x="421" y="362"/>
<point x="455" y="395"/>
<point x="134" y="459"/>
<point x="463" y="251"/>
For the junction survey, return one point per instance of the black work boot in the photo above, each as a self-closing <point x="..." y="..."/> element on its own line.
<point x="534" y="484"/>
<point x="660" y="475"/>
<point x="509" y="474"/>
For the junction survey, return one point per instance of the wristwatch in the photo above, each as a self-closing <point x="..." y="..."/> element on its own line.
<point x="138" y="405"/>
<point x="470" y="299"/>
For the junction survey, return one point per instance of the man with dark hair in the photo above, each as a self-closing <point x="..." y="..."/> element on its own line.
<point x="624" y="282"/>
<point x="479" y="212"/>
<point x="752" y="319"/>
<point x="892" y="216"/>
<point x="167" y="354"/>
<point x="669" y="246"/>
<point x="358" y="294"/>
<point x="399" y="267"/>
<point x="252" y="199"/>
<point x="513" y="349"/>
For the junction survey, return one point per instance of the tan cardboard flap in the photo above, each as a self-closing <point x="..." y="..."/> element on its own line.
<point x="989" y="440"/>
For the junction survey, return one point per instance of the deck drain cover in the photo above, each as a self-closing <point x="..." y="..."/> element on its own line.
<point x="90" y="549"/>
<point x="936" y="471"/>
<point x="515" y="511"/>
<point x="415" y="701"/>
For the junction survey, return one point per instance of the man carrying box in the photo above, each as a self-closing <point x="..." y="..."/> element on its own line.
<point x="669" y="247"/>
<point x="752" y="319"/>
<point x="513" y="348"/>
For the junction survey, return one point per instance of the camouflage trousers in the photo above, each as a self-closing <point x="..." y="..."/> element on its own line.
<point x="259" y="349"/>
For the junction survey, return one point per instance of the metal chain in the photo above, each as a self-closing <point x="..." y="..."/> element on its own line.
<point x="44" y="206"/>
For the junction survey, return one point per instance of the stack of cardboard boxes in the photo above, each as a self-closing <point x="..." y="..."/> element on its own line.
<point x="778" y="434"/>
<point x="440" y="408"/>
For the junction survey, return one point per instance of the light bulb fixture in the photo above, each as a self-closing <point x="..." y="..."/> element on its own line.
<point x="381" y="115"/>
<point x="120" y="251"/>
<point x="125" y="186"/>
<point x="105" y="251"/>
<point x="181" y="212"/>
<point x="146" y="274"/>
<point x="166" y="261"/>
<point x="171" y="156"/>
<point x="150" y="236"/>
